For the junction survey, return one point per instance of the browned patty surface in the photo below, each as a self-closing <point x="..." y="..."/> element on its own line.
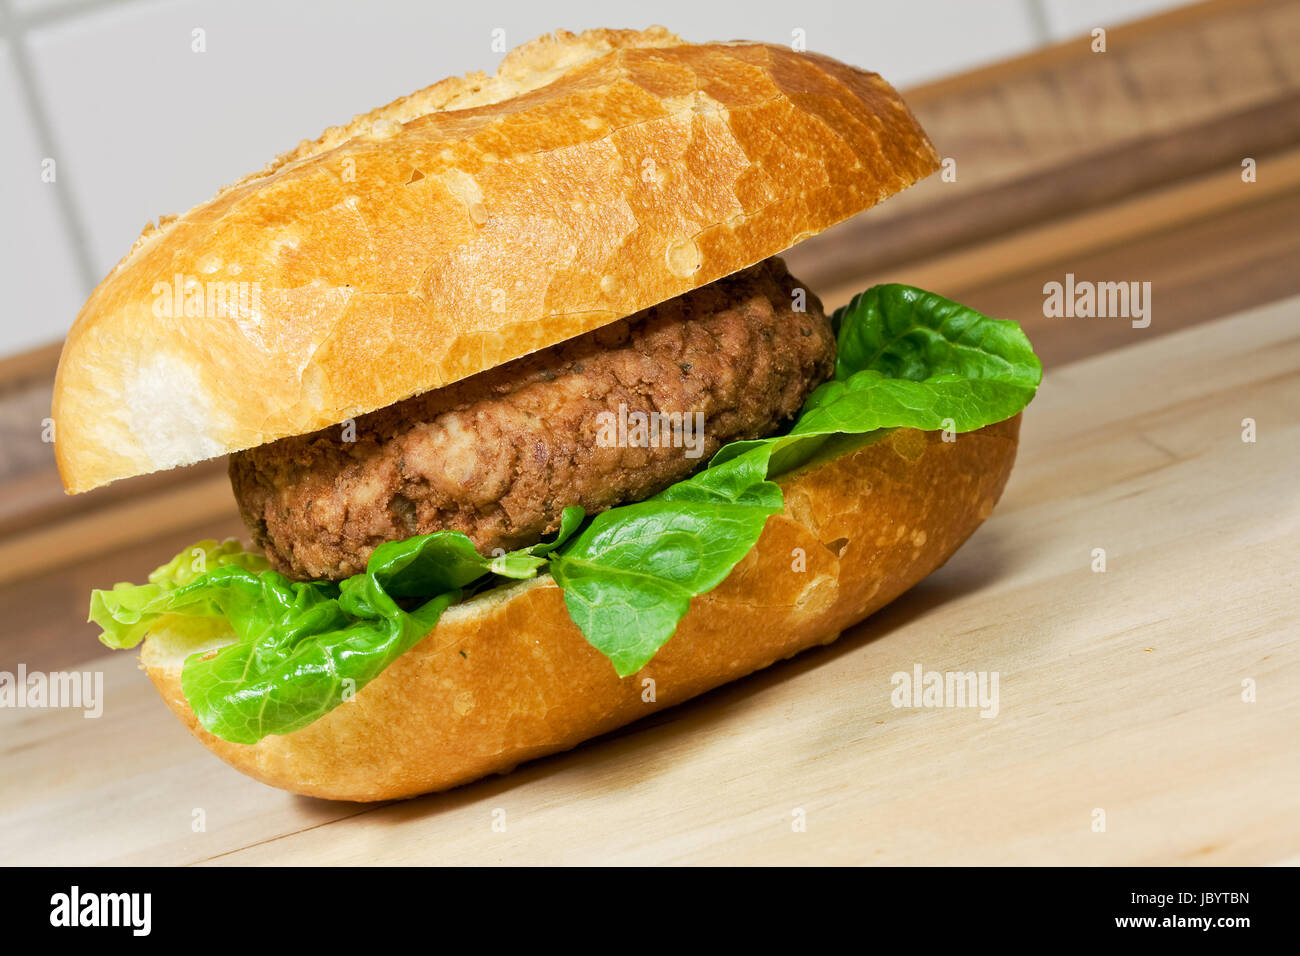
<point x="502" y="453"/>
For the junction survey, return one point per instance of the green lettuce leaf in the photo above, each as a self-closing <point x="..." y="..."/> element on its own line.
<point x="630" y="576"/>
<point x="125" y="613"/>
<point x="297" y="650"/>
<point x="906" y="359"/>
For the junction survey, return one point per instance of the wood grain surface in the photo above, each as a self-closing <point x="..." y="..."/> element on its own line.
<point x="1118" y="691"/>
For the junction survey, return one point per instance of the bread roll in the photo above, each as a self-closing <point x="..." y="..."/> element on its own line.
<point x="460" y="227"/>
<point x="507" y="676"/>
<point x="472" y="223"/>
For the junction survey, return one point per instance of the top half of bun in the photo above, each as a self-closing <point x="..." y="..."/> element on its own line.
<point x="468" y="224"/>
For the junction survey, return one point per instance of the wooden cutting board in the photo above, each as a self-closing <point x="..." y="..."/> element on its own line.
<point x="1120" y="692"/>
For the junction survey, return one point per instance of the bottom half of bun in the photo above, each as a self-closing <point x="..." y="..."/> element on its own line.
<point x="507" y="676"/>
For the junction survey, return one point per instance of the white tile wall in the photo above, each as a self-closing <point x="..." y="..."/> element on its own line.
<point x="142" y="125"/>
<point x="1067" y="18"/>
<point x="43" y="6"/>
<point x="38" y="266"/>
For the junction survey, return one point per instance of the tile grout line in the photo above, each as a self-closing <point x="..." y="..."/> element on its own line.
<point x="69" y="9"/>
<point x="16" y="39"/>
<point x="1036" y="11"/>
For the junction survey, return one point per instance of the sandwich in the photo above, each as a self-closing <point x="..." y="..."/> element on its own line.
<point x="532" y="430"/>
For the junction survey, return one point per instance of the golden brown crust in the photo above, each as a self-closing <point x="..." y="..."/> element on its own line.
<point x="508" y="677"/>
<point x="466" y="225"/>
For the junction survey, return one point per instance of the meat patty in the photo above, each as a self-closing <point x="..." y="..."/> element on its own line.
<point x="501" y="454"/>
